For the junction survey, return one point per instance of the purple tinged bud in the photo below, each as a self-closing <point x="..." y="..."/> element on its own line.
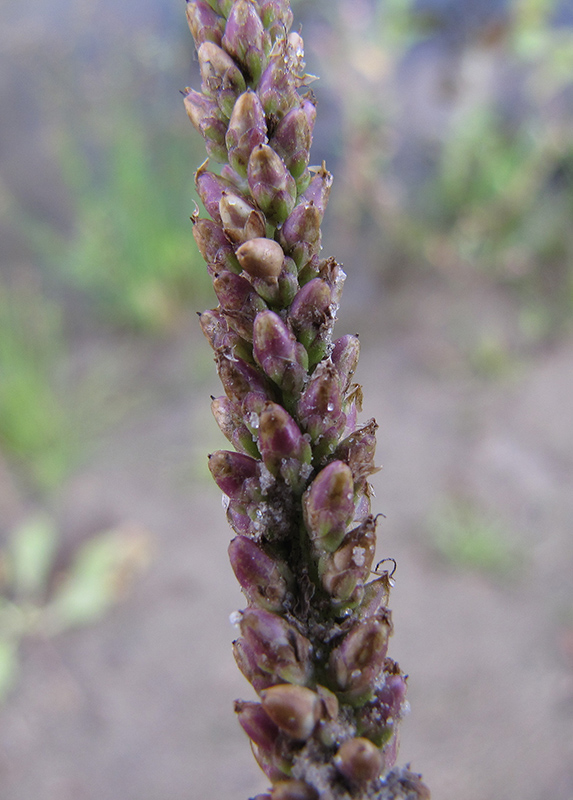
<point x="295" y="709"/>
<point x="358" y="451"/>
<point x="359" y="760"/>
<point x="355" y="665"/>
<point x="247" y="129"/>
<point x="232" y="470"/>
<point x="279" y="292"/>
<point x="240" y="378"/>
<point x="309" y="108"/>
<point x="276" y="87"/>
<point x="292" y="140"/>
<point x="257" y="724"/>
<point x="231" y="425"/>
<point x="293" y="790"/>
<point x="277" y="647"/>
<point x="258" y="574"/>
<point x="343" y="572"/>
<point x="271" y="184"/>
<point x="205" y="115"/>
<point x="214" y="246"/>
<point x="225" y="415"/>
<point x="295" y="56"/>
<point x="247" y="662"/>
<point x="272" y="764"/>
<point x="241" y="184"/>
<point x="221" y="77"/>
<point x="376" y="596"/>
<point x="344" y="356"/>
<point x="239" y="520"/>
<point x="240" y="219"/>
<point x="319" y="189"/>
<point x="331" y="272"/>
<point x="278" y="352"/>
<point x="239" y="301"/>
<point x="320" y="409"/>
<point x="245" y="37"/>
<point x="300" y="234"/>
<point x="261" y="258"/>
<point x="276" y="15"/>
<point x="303" y="182"/>
<point x="328" y="506"/>
<point x="210" y="188"/>
<point x="311" y="318"/>
<point x="283" y="447"/>
<point x="205" y="24"/>
<point x="379" y="718"/>
<point x="220" y="336"/>
<point x="220" y="6"/>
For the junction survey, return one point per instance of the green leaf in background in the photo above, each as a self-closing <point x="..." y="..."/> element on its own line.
<point x="98" y="577"/>
<point x="32" y="550"/>
<point x="8" y="666"/>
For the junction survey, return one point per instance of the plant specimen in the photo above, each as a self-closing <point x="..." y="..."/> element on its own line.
<point x="314" y="636"/>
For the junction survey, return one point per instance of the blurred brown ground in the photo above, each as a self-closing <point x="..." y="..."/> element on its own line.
<point x="139" y="707"/>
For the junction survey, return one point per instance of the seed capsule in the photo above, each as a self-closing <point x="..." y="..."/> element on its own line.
<point x="295" y="709"/>
<point x="293" y="790"/>
<point x="261" y="258"/>
<point x="359" y="760"/>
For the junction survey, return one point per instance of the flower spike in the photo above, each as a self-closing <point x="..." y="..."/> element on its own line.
<point x="315" y="631"/>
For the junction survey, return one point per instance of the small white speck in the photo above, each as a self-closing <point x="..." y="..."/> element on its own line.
<point x="359" y="556"/>
<point x="235" y="618"/>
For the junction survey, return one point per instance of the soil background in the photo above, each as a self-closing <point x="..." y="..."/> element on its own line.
<point x="139" y="706"/>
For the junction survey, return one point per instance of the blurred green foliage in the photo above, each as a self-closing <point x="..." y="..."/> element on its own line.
<point x="35" y="419"/>
<point x="131" y="249"/>
<point x="38" y="599"/>
<point x="498" y="194"/>
<point x="466" y="537"/>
